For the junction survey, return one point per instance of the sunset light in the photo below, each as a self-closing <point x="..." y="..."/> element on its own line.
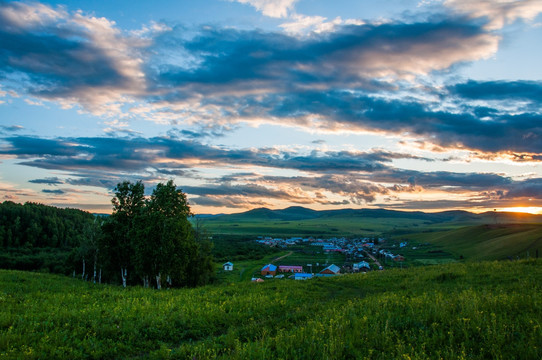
<point x="404" y="105"/>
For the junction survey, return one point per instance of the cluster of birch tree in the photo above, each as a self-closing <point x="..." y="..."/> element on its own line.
<point x="151" y="241"/>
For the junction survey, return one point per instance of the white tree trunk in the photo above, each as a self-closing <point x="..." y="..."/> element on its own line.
<point x="95" y="264"/>
<point x="124" y="275"/>
<point x="158" y="282"/>
<point x="83" y="275"/>
<point x="100" y="278"/>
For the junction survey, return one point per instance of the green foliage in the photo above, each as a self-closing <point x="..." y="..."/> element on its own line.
<point x="490" y="310"/>
<point x="147" y="239"/>
<point x="236" y="248"/>
<point x="40" y="237"/>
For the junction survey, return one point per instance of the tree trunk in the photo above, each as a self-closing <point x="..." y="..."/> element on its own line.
<point x="100" y="278"/>
<point x="83" y="275"/>
<point x="123" y="274"/>
<point x="158" y="282"/>
<point x="95" y="261"/>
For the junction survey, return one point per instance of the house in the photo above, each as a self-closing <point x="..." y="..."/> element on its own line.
<point x="361" y="266"/>
<point x="269" y="269"/>
<point x="302" y="276"/>
<point x="331" y="270"/>
<point x="291" y="268"/>
<point x="227" y="266"/>
<point x="257" y="280"/>
<point x="399" y="258"/>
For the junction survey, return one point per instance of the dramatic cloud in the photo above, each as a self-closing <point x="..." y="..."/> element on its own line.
<point x="68" y="57"/>
<point x="349" y="56"/>
<point x="139" y="154"/>
<point x="171" y="100"/>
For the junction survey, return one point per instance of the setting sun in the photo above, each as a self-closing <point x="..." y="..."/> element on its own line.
<point x="524" y="209"/>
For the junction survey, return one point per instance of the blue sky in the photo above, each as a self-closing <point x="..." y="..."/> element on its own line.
<point x="411" y="105"/>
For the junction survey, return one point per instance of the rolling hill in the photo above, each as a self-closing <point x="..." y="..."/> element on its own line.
<point x="485" y="310"/>
<point x="487" y="242"/>
<point x="300" y="221"/>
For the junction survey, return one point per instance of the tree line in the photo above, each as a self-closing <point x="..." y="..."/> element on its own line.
<point x="146" y="240"/>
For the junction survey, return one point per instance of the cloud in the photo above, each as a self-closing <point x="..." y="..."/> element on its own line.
<point x="47" y="181"/>
<point x="271" y="8"/>
<point x="12" y="128"/>
<point x="330" y="177"/>
<point x="527" y="189"/>
<point x="461" y="128"/>
<point x="136" y="154"/>
<point x="499" y="90"/>
<point x="54" y="192"/>
<point x="71" y="58"/>
<point x="499" y="12"/>
<point x="349" y="56"/>
<point x="229" y="202"/>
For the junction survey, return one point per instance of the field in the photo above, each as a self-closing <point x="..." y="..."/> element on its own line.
<point x="487" y="310"/>
<point x="298" y="221"/>
<point x="481" y="242"/>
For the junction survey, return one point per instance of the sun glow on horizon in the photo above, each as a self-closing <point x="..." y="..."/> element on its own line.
<point x="523" y="209"/>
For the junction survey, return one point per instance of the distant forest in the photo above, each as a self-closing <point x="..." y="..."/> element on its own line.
<point x="40" y="237"/>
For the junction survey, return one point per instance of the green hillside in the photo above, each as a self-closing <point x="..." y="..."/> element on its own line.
<point x="299" y="221"/>
<point x="486" y="242"/>
<point x="488" y="310"/>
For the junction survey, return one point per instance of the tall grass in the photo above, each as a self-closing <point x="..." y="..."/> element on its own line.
<point x="490" y="310"/>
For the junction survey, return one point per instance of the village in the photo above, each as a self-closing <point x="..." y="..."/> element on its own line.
<point x="338" y="255"/>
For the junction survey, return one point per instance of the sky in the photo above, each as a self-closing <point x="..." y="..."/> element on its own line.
<point x="428" y="105"/>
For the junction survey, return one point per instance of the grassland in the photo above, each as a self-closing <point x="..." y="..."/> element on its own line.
<point x="482" y="242"/>
<point x="327" y="227"/>
<point x="298" y="221"/>
<point x="488" y="310"/>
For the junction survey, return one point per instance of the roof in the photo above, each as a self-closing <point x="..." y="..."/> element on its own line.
<point x="290" y="267"/>
<point x="269" y="267"/>
<point x="228" y="263"/>
<point x="362" y="264"/>
<point x="303" y="275"/>
<point x="333" y="268"/>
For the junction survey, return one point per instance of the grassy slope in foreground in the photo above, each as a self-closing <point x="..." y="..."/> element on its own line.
<point x="487" y="242"/>
<point x="479" y="310"/>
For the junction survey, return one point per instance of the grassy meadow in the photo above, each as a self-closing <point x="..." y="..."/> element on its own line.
<point x="481" y="242"/>
<point x="327" y="227"/>
<point x="486" y="310"/>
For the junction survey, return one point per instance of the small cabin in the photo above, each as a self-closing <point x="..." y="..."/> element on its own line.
<point x="269" y="269"/>
<point x="331" y="270"/>
<point x="227" y="266"/>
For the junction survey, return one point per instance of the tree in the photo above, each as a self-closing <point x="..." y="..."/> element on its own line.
<point x="168" y="248"/>
<point x="121" y="228"/>
<point x="89" y="247"/>
<point x="154" y="239"/>
<point x="165" y="248"/>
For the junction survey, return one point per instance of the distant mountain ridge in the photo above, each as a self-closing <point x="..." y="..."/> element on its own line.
<point x="294" y="213"/>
